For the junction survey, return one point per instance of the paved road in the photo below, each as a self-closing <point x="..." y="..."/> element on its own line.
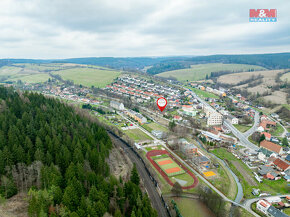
<point x="255" y="125"/>
<point x="247" y="203"/>
<point x="150" y="187"/>
<point x="244" y="140"/>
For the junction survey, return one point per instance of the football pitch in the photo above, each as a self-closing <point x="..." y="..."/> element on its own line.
<point x="168" y="166"/>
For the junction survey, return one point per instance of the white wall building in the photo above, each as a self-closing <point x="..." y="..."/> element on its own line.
<point x="117" y="105"/>
<point x="214" y="119"/>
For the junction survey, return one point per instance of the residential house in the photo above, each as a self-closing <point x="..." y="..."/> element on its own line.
<point x="202" y="160"/>
<point x="263" y="170"/>
<point x="288" y="158"/>
<point x="189" y="149"/>
<point x="233" y="119"/>
<point x="281" y="165"/>
<point x="271" y="147"/>
<point x="267" y="135"/>
<point x="263" y="206"/>
<point x="177" y="118"/>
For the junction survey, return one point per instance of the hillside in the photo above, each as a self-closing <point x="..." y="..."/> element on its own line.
<point x="58" y="156"/>
<point x="269" y="86"/>
<point x="86" y="75"/>
<point x="199" y="72"/>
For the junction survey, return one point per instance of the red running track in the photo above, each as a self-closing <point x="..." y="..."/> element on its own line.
<point x="160" y="152"/>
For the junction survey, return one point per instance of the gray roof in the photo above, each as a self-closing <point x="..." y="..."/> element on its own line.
<point x="203" y="159"/>
<point x="275" y="212"/>
<point x="288" y="157"/>
<point x="264" y="170"/>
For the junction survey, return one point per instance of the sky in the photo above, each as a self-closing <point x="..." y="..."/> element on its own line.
<point x="55" y="29"/>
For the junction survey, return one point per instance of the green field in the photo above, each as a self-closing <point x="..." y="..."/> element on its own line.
<point x="199" y="71"/>
<point x="192" y="208"/>
<point x="154" y="126"/>
<point x="169" y="166"/>
<point x="242" y="128"/>
<point x="203" y="94"/>
<point x="137" y="135"/>
<point x="86" y="75"/>
<point x="35" y="78"/>
<point x="98" y="77"/>
<point x="277" y="131"/>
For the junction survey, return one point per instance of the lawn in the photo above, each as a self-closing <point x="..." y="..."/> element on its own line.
<point x="278" y="131"/>
<point x="242" y="128"/>
<point x="192" y="208"/>
<point x="98" y="77"/>
<point x="154" y="126"/>
<point x="137" y="135"/>
<point x="203" y="94"/>
<point x="199" y="71"/>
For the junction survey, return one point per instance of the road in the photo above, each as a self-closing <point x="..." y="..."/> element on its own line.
<point x="243" y="139"/>
<point x="150" y="187"/>
<point x="255" y="125"/>
<point x="247" y="203"/>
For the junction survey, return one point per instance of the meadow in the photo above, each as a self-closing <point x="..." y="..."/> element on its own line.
<point x="86" y="75"/>
<point x="98" y="77"/>
<point x="199" y="71"/>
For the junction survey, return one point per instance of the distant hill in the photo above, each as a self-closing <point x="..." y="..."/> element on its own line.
<point x="268" y="61"/>
<point x="162" y="64"/>
<point x="201" y="71"/>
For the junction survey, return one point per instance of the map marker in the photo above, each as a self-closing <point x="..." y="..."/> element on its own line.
<point x="161" y="103"/>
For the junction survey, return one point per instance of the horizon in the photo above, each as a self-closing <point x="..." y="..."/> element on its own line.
<point x="189" y="56"/>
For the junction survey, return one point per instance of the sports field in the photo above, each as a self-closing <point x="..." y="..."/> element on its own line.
<point x="169" y="166"/>
<point x="171" y="169"/>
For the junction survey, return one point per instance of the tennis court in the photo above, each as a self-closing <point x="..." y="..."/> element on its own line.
<point x="169" y="166"/>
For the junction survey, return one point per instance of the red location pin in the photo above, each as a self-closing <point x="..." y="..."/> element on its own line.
<point x="161" y="103"/>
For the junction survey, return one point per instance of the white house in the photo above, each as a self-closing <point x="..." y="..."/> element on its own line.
<point x="263" y="206"/>
<point x="117" y="105"/>
<point x="233" y="119"/>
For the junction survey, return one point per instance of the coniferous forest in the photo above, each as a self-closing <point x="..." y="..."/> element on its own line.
<point x="58" y="157"/>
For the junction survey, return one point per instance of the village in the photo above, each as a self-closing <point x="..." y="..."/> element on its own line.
<point x="219" y="120"/>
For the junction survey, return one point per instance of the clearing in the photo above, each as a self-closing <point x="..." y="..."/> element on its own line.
<point x="199" y="71"/>
<point x="192" y="208"/>
<point x="137" y="135"/>
<point x="15" y="206"/>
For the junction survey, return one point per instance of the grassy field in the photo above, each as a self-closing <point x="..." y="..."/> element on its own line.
<point x="278" y="131"/>
<point x="154" y="126"/>
<point x="192" y="208"/>
<point x="35" y="78"/>
<point x="204" y="94"/>
<point x="137" y="135"/>
<point x="199" y="71"/>
<point x="86" y="75"/>
<point x="242" y="128"/>
<point x="98" y="77"/>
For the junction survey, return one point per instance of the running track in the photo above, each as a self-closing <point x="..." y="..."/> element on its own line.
<point x="160" y="152"/>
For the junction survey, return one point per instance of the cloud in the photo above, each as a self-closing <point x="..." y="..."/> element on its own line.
<point x="73" y="28"/>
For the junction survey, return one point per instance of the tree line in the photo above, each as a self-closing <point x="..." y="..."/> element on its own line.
<point x="59" y="157"/>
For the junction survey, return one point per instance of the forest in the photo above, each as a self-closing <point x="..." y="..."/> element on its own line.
<point x="58" y="156"/>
